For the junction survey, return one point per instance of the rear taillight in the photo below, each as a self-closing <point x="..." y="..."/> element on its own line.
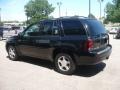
<point x="89" y="45"/>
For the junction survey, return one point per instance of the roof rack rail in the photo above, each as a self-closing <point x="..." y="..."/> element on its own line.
<point x="74" y="16"/>
<point x="80" y="16"/>
<point x="65" y="17"/>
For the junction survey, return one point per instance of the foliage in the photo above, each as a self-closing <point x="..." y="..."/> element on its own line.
<point x="113" y="11"/>
<point x="37" y="10"/>
<point x="91" y="16"/>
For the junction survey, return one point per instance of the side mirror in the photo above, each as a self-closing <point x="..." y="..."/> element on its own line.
<point x="20" y="34"/>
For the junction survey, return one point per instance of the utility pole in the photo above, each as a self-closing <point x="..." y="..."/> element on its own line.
<point x="89" y="7"/>
<point x="100" y="9"/>
<point x="66" y="12"/>
<point x="59" y="5"/>
<point x="0" y="14"/>
<point x="104" y="12"/>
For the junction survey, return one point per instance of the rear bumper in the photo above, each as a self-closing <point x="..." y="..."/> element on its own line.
<point x="94" y="57"/>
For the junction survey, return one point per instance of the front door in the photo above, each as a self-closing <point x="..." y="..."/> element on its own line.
<point x="47" y="38"/>
<point x="26" y="41"/>
<point x="39" y="39"/>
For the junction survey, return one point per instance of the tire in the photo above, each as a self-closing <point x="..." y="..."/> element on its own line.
<point x="12" y="53"/>
<point x="64" y="64"/>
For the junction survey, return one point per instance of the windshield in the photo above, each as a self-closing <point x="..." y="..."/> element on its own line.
<point x="95" y="27"/>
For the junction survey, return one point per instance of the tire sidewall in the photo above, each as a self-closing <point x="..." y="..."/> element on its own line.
<point x="72" y="64"/>
<point x="16" y="55"/>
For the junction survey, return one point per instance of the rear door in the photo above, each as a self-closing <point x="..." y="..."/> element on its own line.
<point x="48" y="38"/>
<point x="74" y="34"/>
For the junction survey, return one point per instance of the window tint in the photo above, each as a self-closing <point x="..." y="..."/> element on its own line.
<point x="32" y="30"/>
<point x="95" y="27"/>
<point x="48" y="28"/>
<point x="73" y="27"/>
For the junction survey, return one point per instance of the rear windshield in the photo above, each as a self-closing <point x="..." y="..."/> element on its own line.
<point x="95" y="27"/>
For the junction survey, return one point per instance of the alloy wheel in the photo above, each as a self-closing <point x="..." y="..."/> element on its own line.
<point x="12" y="53"/>
<point x="64" y="63"/>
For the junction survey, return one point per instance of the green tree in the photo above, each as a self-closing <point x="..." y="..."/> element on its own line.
<point x="91" y="16"/>
<point x="113" y="11"/>
<point x="37" y="10"/>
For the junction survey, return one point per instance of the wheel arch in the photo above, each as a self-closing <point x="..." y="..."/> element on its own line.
<point x="13" y="44"/>
<point x="65" y="50"/>
<point x="9" y="44"/>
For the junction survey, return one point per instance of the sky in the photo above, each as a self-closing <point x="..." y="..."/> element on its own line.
<point x="14" y="9"/>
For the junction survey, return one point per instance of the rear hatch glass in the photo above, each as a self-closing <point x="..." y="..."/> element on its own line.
<point x="95" y="27"/>
<point x="97" y="33"/>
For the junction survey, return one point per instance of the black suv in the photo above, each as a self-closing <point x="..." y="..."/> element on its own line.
<point x="66" y="41"/>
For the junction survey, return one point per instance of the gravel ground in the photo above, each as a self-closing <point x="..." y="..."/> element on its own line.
<point x="35" y="74"/>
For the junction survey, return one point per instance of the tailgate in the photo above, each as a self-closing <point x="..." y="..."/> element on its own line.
<point x="100" y="41"/>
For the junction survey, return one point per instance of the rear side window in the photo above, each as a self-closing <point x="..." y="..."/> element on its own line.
<point x="73" y="27"/>
<point x="95" y="27"/>
<point x="48" y="28"/>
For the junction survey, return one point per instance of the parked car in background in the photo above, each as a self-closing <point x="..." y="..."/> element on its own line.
<point x="3" y="32"/>
<point x="113" y="30"/>
<point x="17" y="29"/>
<point x="66" y="41"/>
<point x="118" y="34"/>
<point x="6" y="32"/>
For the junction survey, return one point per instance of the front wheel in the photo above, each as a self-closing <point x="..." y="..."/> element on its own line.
<point x="64" y="64"/>
<point x="12" y="53"/>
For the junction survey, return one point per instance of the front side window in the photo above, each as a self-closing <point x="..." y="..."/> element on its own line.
<point x="73" y="27"/>
<point x="32" y="30"/>
<point x="47" y="28"/>
<point x="50" y="28"/>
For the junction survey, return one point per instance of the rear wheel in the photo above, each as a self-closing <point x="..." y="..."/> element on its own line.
<point x="12" y="53"/>
<point x="64" y="64"/>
